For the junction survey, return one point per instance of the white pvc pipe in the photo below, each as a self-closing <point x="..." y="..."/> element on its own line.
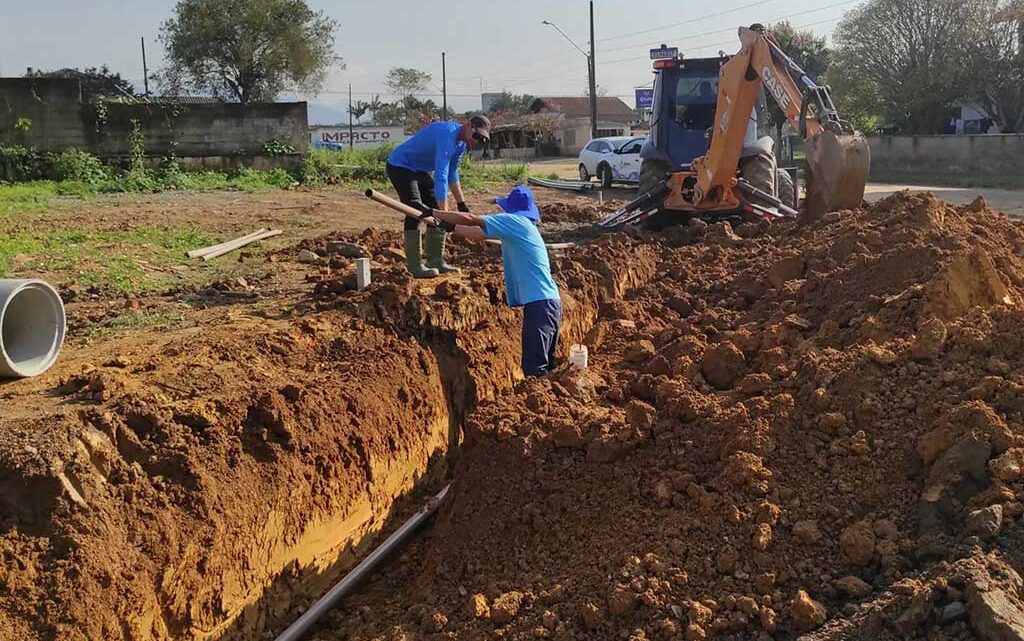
<point x="32" y="327"/>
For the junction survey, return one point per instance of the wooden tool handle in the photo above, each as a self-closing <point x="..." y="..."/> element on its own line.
<point x="393" y="204"/>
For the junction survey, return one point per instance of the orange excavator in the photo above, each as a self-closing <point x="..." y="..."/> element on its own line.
<point x="731" y="179"/>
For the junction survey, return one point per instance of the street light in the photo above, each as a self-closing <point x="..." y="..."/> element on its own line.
<point x="591" y="67"/>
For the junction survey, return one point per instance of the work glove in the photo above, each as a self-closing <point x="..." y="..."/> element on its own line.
<point x="427" y="218"/>
<point x="463" y="207"/>
<point x="447" y="227"/>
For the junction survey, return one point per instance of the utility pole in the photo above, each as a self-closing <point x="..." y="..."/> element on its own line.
<point x="145" y="70"/>
<point x="444" y="89"/>
<point x="593" y="77"/>
<point x="351" y="136"/>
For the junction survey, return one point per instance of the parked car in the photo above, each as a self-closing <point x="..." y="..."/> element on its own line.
<point x="611" y="160"/>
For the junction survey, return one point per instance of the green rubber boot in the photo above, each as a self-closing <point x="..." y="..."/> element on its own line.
<point x="436" y="238"/>
<point x="413" y="258"/>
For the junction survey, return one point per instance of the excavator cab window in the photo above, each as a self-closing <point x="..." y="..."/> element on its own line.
<point x="695" y="102"/>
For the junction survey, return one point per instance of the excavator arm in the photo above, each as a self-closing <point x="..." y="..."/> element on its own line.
<point x="838" y="158"/>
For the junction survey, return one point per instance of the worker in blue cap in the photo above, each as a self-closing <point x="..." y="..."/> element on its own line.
<point x="528" y="281"/>
<point x="436" y="148"/>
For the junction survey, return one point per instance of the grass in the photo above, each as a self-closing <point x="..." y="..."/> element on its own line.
<point x="130" y="261"/>
<point x="362" y="168"/>
<point x="136" y="320"/>
<point x="941" y="179"/>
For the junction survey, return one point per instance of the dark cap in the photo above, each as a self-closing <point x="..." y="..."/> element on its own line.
<point x="481" y="126"/>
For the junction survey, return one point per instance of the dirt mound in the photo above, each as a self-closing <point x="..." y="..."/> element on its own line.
<point x="778" y="427"/>
<point x="579" y="210"/>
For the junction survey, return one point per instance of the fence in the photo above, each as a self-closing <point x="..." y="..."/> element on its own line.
<point x="49" y="115"/>
<point x="952" y="154"/>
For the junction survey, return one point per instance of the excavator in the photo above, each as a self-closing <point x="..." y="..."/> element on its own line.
<point x="705" y="157"/>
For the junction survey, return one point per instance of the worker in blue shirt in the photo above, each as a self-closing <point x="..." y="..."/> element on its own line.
<point x="437" y="148"/>
<point x="528" y="281"/>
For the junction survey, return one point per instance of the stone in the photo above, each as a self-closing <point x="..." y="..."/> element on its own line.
<point x="806" y="532"/>
<point x="591" y="616"/>
<point x="1009" y="466"/>
<point x="995" y="615"/>
<point x="307" y="257"/>
<point x="929" y="340"/>
<point x="985" y="522"/>
<point x="858" y="543"/>
<point x="621" y="601"/>
<point x="478" y="606"/>
<point x="695" y="632"/>
<point x="436" y="622"/>
<point x="506" y="607"/>
<point x="348" y="250"/>
<point x="853" y="587"/>
<point x="786" y="269"/>
<point x="723" y="365"/>
<point x="762" y="537"/>
<point x="699" y="614"/>
<point x="639" y="352"/>
<point x="916" y="613"/>
<point x="767" y="513"/>
<point x="952" y="612"/>
<point x="806" y="613"/>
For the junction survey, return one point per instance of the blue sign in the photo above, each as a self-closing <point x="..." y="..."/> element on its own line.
<point x="665" y="53"/>
<point x="644" y="98"/>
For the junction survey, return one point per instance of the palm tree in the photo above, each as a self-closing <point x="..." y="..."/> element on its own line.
<point x="375" y="106"/>
<point x="359" y="109"/>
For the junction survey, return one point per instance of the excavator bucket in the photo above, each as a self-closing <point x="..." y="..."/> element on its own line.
<point x="837" y="172"/>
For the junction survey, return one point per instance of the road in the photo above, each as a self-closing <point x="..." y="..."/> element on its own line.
<point x="1007" y="201"/>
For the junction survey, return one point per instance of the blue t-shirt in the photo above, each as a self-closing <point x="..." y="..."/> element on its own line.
<point x="435" y="148"/>
<point x="525" y="258"/>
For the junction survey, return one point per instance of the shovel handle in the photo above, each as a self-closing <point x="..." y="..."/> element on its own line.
<point x="393" y="204"/>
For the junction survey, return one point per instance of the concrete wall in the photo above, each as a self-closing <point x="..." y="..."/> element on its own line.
<point x="59" y="121"/>
<point x="994" y="154"/>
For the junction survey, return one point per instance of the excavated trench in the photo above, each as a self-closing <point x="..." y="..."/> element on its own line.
<point x="203" y="487"/>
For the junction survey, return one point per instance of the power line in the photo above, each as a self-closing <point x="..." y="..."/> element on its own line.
<point x="708" y="33"/>
<point x="690" y="21"/>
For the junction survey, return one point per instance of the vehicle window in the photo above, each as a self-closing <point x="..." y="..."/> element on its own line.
<point x="597" y="145"/>
<point x="604" y="146"/>
<point x="695" y="102"/>
<point x="633" y="147"/>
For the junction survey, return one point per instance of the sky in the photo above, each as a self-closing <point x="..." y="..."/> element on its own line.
<point x="489" y="46"/>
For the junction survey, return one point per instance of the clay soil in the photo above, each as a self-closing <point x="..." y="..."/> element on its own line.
<point x="794" y="429"/>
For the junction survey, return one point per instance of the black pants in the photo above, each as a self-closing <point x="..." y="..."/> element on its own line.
<point x="415" y="188"/>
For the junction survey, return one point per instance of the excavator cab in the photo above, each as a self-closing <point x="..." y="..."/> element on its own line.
<point x="683" y="114"/>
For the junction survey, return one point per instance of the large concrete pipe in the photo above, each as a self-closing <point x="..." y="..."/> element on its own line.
<point x="32" y="327"/>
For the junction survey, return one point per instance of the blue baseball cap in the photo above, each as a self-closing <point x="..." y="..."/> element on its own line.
<point x="520" y="201"/>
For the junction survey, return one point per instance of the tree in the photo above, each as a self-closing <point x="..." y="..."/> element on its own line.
<point x="375" y="105"/>
<point x="248" y="50"/>
<point x="807" y="50"/>
<point x="511" y="103"/>
<point x="999" y="89"/>
<point x="359" y="109"/>
<point x="857" y="96"/>
<point x="406" y="82"/>
<point x="919" y="54"/>
<point x="96" y="82"/>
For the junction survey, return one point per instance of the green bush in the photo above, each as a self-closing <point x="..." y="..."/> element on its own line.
<point x="80" y="166"/>
<point x="330" y="167"/>
<point x="21" y="164"/>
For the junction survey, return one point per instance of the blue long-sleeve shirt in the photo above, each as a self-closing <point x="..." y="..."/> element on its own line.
<point x="435" y="148"/>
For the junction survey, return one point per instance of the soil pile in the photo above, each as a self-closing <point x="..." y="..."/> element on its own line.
<point x="781" y="429"/>
<point x="208" y="483"/>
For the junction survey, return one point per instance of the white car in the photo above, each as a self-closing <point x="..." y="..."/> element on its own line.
<point x="611" y="160"/>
